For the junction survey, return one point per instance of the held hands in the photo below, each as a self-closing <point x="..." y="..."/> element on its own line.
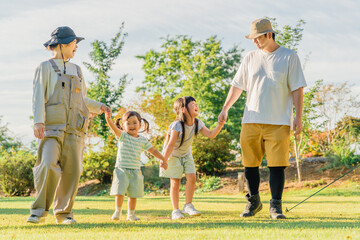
<point x="222" y="117"/>
<point x="105" y="109"/>
<point x="221" y="123"/>
<point x="39" y="129"/>
<point x="163" y="164"/>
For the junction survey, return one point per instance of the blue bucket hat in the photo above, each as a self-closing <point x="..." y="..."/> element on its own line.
<point x="62" y="35"/>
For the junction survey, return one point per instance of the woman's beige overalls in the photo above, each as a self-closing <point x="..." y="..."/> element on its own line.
<point x="59" y="163"/>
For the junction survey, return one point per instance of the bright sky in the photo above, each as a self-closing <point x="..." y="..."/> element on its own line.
<point x="331" y="35"/>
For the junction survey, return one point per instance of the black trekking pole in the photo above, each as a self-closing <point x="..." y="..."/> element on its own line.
<point x="288" y="210"/>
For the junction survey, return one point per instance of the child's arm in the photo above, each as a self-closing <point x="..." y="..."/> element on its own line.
<point x="170" y="144"/>
<point x="212" y="134"/>
<point x="158" y="155"/>
<point x="112" y="125"/>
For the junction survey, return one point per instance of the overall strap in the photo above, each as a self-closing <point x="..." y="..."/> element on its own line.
<point x="55" y="67"/>
<point x="79" y="72"/>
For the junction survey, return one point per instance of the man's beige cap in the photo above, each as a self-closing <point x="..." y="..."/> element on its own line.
<point x="259" y="27"/>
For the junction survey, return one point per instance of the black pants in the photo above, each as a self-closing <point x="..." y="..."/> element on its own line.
<point x="277" y="181"/>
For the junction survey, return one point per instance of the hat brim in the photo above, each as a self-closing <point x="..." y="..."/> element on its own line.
<point x="255" y="35"/>
<point x="63" y="41"/>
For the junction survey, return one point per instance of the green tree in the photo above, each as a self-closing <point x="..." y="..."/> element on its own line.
<point x="7" y="142"/>
<point x="310" y="120"/>
<point x="103" y="57"/>
<point x="288" y="36"/>
<point x="201" y="69"/>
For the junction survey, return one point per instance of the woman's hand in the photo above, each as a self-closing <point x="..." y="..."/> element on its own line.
<point x="106" y="110"/>
<point x="39" y="129"/>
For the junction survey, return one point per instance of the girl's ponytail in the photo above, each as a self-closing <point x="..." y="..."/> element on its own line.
<point x="196" y="126"/>
<point x="117" y="123"/>
<point x="146" y="125"/>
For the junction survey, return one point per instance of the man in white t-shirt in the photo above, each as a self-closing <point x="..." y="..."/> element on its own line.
<point x="273" y="80"/>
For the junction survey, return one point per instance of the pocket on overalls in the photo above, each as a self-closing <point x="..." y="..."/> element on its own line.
<point x="55" y="114"/>
<point x="82" y="122"/>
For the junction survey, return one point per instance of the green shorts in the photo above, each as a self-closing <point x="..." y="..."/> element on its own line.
<point x="127" y="181"/>
<point x="177" y="166"/>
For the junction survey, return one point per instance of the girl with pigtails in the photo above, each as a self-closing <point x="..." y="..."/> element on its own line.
<point x="127" y="178"/>
<point x="177" y="153"/>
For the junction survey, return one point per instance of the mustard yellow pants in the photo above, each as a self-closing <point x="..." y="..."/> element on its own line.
<point x="259" y="139"/>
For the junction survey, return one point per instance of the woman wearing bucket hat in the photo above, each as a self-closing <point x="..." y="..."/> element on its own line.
<point x="273" y="80"/>
<point x="61" y="110"/>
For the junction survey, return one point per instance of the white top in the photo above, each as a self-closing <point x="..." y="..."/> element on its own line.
<point x="44" y="86"/>
<point x="269" y="79"/>
<point x="185" y="148"/>
<point x="130" y="149"/>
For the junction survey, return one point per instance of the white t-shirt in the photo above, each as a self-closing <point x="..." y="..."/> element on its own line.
<point x="269" y="79"/>
<point x="185" y="148"/>
<point x="44" y="86"/>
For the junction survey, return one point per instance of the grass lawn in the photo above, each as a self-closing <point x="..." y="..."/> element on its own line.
<point x="334" y="214"/>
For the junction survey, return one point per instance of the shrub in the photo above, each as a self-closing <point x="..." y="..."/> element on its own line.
<point x="152" y="181"/>
<point x="209" y="183"/>
<point x="211" y="155"/>
<point x="16" y="178"/>
<point x="342" y="155"/>
<point x="99" y="165"/>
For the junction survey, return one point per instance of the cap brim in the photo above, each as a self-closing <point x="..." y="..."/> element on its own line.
<point x="78" y="39"/>
<point x="255" y="35"/>
<point x="63" y="41"/>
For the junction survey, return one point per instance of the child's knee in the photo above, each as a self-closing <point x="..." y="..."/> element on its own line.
<point x="175" y="182"/>
<point x="191" y="177"/>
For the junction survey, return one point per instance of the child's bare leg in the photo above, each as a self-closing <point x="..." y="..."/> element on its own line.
<point x="131" y="210"/>
<point x="119" y="199"/>
<point x="174" y="192"/>
<point x="190" y="187"/>
<point x="132" y="203"/>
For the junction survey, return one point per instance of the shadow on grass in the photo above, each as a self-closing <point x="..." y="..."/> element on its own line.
<point x="99" y="211"/>
<point x="241" y="224"/>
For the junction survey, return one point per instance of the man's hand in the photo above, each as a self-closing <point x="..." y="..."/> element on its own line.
<point x="297" y="126"/>
<point x="39" y="129"/>
<point x="222" y="116"/>
<point x="105" y="109"/>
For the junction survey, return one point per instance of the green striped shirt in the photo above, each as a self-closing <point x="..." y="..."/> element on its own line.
<point x="130" y="149"/>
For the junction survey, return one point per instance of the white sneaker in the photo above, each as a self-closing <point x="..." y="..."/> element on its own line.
<point x="35" y="219"/>
<point x="190" y="209"/>
<point x="116" y="215"/>
<point x="132" y="218"/>
<point x="176" y="214"/>
<point x="69" y="221"/>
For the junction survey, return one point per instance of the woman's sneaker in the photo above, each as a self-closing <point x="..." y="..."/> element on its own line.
<point x="35" y="219"/>
<point x="116" y="215"/>
<point x="132" y="218"/>
<point x="190" y="209"/>
<point x="69" y="221"/>
<point x="176" y="214"/>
